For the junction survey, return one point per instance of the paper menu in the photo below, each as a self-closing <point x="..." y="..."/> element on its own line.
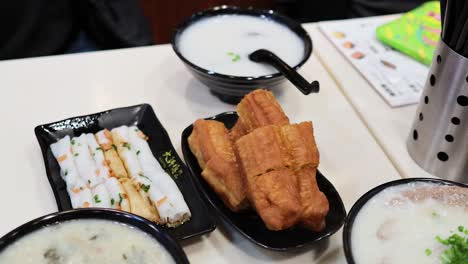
<point x="397" y="78"/>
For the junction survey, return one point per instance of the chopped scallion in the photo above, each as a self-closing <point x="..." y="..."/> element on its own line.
<point x="145" y="187"/>
<point x="120" y="199"/>
<point x="456" y="251"/>
<point x="126" y="145"/>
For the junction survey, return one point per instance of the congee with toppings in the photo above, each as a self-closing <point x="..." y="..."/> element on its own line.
<point x="86" y="241"/>
<point x="417" y="222"/>
<point x="222" y="44"/>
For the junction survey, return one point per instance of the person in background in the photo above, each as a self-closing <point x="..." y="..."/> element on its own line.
<point x="312" y="11"/>
<point x="364" y="8"/>
<point x="33" y="28"/>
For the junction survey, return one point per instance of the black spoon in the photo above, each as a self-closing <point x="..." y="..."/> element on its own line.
<point x="266" y="56"/>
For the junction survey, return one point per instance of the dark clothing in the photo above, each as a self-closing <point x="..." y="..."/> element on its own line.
<point x="82" y="43"/>
<point x="363" y="8"/>
<point x="114" y="24"/>
<point x="35" y="27"/>
<point x="32" y="28"/>
<point x="315" y="10"/>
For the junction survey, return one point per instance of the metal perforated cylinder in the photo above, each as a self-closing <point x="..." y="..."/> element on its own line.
<point x="438" y="141"/>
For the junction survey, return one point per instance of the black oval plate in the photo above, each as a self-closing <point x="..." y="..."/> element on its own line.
<point x="103" y="214"/>
<point x="249" y="223"/>
<point x="348" y="227"/>
<point x="144" y="117"/>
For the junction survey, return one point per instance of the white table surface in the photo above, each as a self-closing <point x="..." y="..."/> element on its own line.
<point x="389" y="126"/>
<point x="41" y="90"/>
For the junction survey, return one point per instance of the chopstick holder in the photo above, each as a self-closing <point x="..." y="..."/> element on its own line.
<point x="438" y="141"/>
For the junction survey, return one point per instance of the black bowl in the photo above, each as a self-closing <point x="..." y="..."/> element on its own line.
<point x="230" y="88"/>
<point x="348" y="227"/>
<point x="249" y="223"/>
<point x="102" y="214"/>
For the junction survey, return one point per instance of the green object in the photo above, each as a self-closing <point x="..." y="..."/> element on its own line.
<point x="235" y="57"/>
<point x="456" y="251"/>
<point x="96" y="199"/>
<point x="145" y="187"/>
<point x="416" y="33"/>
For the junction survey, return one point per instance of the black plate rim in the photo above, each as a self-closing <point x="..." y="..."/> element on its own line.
<point x="349" y="221"/>
<point x="226" y="9"/>
<point x="226" y="219"/>
<point x="144" y="105"/>
<point x="168" y="242"/>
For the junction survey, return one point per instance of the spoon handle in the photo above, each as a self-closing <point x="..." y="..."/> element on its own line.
<point x="265" y="56"/>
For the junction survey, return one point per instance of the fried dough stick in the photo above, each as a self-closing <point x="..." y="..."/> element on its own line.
<point x="213" y="149"/>
<point x="257" y="109"/>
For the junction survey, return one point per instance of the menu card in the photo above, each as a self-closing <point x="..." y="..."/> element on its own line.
<point x="398" y="78"/>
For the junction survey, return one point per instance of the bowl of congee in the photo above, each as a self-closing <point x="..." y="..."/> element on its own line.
<point x="215" y="45"/>
<point x="91" y="235"/>
<point x="414" y="220"/>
